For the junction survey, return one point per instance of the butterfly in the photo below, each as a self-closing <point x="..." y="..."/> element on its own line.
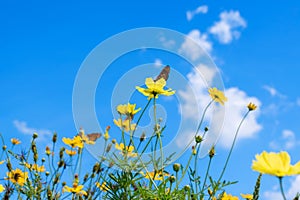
<point x="92" y="136"/>
<point x="164" y="73"/>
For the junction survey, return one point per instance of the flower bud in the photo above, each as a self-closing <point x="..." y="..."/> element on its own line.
<point x="176" y="167"/>
<point x="35" y="135"/>
<point x="172" y="179"/>
<point x="187" y="188"/>
<point x="143" y="137"/>
<point x="198" y="139"/>
<point x="212" y="152"/>
<point x="54" y="138"/>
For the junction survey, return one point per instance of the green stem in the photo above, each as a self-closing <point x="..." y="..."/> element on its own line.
<point x="206" y="175"/>
<point x="281" y="188"/>
<point x="202" y="118"/>
<point x="139" y="119"/>
<point x="184" y="171"/>
<point x="233" y="143"/>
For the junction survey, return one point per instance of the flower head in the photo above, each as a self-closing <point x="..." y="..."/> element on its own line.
<point x="126" y="150"/>
<point x="76" y="189"/>
<point x="247" y="196"/>
<point x="125" y="125"/>
<point x="70" y="152"/>
<point x="276" y="164"/>
<point x="85" y="139"/>
<point x="104" y="187"/>
<point x="15" y="141"/>
<point x="229" y="197"/>
<point x="17" y="176"/>
<point x="2" y="188"/>
<point x="48" y="151"/>
<point x="35" y="167"/>
<point x="75" y="142"/>
<point x="155" y="88"/>
<point x="155" y="175"/>
<point x="251" y="106"/>
<point x="127" y="109"/>
<point x="217" y="95"/>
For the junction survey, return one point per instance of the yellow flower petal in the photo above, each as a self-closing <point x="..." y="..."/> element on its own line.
<point x="217" y="95"/>
<point x="276" y="164"/>
<point x="155" y="88"/>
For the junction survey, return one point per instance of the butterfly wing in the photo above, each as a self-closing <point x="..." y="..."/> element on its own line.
<point x="164" y="73"/>
<point x="93" y="136"/>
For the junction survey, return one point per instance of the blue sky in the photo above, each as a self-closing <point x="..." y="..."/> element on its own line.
<point x="43" y="45"/>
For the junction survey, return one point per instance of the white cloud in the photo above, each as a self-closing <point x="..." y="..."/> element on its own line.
<point x="158" y="62"/>
<point x="198" y="98"/>
<point x="23" y="128"/>
<point x="167" y="43"/>
<point x="287" y="141"/>
<point x="235" y="110"/>
<point x="194" y="44"/>
<point x="290" y="194"/>
<point x="200" y="10"/>
<point x="198" y="78"/>
<point x="228" y="27"/>
<point x="273" y="92"/>
<point x="298" y="101"/>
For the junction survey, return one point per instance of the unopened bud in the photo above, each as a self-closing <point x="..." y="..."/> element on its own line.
<point x="187" y="188"/>
<point x="172" y="179"/>
<point x="198" y="139"/>
<point x="143" y="137"/>
<point x="176" y="167"/>
<point x="212" y="152"/>
<point x="54" y="137"/>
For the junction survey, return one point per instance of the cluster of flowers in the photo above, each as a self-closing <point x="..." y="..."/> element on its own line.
<point x="42" y="179"/>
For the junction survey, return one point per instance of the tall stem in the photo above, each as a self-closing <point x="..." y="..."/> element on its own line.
<point x="281" y="188"/>
<point x="233" y="143"/>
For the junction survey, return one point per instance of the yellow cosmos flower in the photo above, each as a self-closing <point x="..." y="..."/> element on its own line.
<point x="85" y="139"/>
<point x="251" y="106"/>
<point x="15" y="141"/>
<point x="75" y="142"/>
<point x="70" y="152"/>
<point x="126" y="150"/>
<point x="217" y="95"/>
<point x="104" y="187"/>
<point x="125" y="125"/>
<point x="155" y="88"/>
<point x="76" y="189"/>
<point x="276" y="164"/>
<point x="2" y="161"/>
<point x="35" y="167"/>
<point x="127" y="109"/>
<point x="17" y="176"/>
<point x="247" y="196"/>
<point x="155" y="175"/>
<point x="2" y="188"/>
<point x="229" y="197"/>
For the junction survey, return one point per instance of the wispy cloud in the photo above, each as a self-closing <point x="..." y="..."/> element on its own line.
<point x="298" y="102"/>
<point x="200" y="10"/>
<point x="23" y="128"/>
<point x="290" y="194"/>
<point x="194" y="45"/>
<point x="286" y="141"/>
<point x="157" y="62"/>
<point x="228" y="27"/>
<point x="166" y="42"/>
<point x="273" y="91"/>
